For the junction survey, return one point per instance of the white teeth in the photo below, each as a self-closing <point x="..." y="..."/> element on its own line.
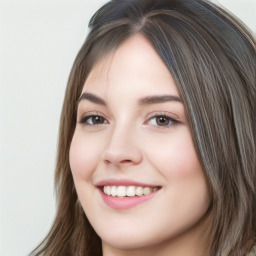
<point x="139" y="191"/>
<point x="108" y="190"/>
<point x="147" y="191"/>
<point x="122" y="191"/>
<point x="130" y="191"/>
<point x="113" y="191"/>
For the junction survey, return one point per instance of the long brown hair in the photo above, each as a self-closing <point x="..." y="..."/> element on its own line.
<point x="211" y="56"/>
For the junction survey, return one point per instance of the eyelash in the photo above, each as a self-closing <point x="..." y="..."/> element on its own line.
<point x="171" y="121"/>
<point x="85" y="118"/>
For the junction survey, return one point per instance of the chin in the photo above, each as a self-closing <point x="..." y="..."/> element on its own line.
<point x="129" y="242"/>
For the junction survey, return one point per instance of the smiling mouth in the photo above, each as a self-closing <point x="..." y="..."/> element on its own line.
<point x="128" y="191"/>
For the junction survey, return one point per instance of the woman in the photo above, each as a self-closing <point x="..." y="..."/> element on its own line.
<point x="157" y="135"/>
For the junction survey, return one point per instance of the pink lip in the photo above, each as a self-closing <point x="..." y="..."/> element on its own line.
<point x="122" y="182"/>
<point x="125" y="202"/>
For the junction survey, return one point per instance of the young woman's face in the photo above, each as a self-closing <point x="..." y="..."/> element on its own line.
<point x="134" y="165"/>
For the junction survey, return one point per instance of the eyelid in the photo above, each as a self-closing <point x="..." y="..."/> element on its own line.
<point x="163" y="113"/>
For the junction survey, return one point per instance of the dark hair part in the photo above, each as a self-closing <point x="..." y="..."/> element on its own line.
<point x="211" y="56"/>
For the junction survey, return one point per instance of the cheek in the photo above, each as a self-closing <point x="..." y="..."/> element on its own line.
<point x="175" y="155"/>
<point x="185" y="186"/>
<point x="175" y="158"/>
<point x="83" y="156"/>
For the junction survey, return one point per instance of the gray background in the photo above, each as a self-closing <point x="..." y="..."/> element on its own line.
<point x="38" y="43"/>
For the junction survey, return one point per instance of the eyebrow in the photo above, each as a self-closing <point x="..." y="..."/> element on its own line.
<point x="149" y="100"/>
<point x="93" y="98"/>
<point x="158" y="99"/>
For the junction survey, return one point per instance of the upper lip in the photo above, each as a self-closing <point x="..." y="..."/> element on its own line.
<point x="122" y="182"/>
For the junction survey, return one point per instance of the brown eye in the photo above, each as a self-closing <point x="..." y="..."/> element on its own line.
<point x="97" y="120"/>
<point x="93" y="120"/>
<point x="163" y="121"/>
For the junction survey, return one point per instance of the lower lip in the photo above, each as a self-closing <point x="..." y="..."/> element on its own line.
<point x="125" y="203"/>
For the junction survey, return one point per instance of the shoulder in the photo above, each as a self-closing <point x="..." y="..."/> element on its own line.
<point x="252" y="251"/>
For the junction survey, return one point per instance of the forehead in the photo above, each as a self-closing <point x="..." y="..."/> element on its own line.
<point x="134" y="65"/>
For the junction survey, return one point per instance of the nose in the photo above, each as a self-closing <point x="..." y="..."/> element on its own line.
<point x="122" y="148"/>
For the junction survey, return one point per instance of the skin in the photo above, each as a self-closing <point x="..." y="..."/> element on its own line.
<point x="129" y="143"/>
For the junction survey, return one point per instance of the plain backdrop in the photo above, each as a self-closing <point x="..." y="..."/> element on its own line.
<point x="39" y="40"/>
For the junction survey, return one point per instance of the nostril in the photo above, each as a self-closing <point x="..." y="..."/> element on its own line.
<point x="125" y="161"/>
<point x="119" y="162"/>
<point x="107" y="161"/>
